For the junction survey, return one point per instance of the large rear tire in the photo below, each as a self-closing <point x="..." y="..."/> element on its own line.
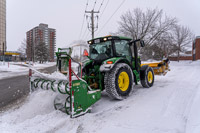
<point x="147" y="77"/>
<point x="118" y="82"/>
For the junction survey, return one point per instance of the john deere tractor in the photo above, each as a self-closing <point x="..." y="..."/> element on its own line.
<point x="113" y="65"/>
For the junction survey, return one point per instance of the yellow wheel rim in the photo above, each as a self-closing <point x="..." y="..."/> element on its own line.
<point x="123" y="81"/>
<point x="150" y="77"/>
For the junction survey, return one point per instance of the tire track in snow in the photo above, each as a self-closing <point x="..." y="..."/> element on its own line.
<point x="154" y="110"/>
<point x="190" y="110"/>
<point x="181" y="99"/>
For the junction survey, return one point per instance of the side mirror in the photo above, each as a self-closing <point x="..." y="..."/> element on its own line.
<point x="138" y="43"/>
<point x="142" y="43"/>
<point x="85" y="53"/>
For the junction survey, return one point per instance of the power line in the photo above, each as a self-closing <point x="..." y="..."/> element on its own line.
<point x="85" y="32"/>
<point x="86" y="35"/>
<point x="101" y="5"/>
<point x="83" y="19"/>
<point x="82" y="26"/>
<point x="86" y="5"/>
<point x="104" y="9"/>
<point x="87" y="27"/>
<point x="94" y="4"/>
<point x="111" y="16"/>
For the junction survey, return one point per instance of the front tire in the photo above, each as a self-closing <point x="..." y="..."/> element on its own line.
<point x="118" y="82"/>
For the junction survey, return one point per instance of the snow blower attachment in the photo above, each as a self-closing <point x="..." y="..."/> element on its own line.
<point x="75" y="96"/>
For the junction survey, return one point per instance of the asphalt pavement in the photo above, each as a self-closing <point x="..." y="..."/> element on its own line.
<point x="12" y="89"/>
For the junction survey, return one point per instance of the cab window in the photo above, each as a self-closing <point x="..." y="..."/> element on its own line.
<point x="101" y="51"/>
<point x="122" y="48"/>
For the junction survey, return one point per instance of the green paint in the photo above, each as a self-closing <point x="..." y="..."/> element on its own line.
<point x="83" y="98"/>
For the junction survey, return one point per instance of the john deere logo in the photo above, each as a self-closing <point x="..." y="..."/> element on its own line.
<point x="76" y="84"/>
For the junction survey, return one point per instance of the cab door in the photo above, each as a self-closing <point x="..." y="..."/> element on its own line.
<point x="122" y="49"/>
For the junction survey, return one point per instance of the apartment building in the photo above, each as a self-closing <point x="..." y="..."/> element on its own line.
<point x="41" y="33"/>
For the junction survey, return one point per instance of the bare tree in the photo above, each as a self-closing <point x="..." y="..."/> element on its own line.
<point x="152" y="26"/>
<point x="41" y="52"/>
<point x="22" y="47"/>
<point x="163" y="46"/>
<point x="183" y="38"/>
<point x="147" y="25"/>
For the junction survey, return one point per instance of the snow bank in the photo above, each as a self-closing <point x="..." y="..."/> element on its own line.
<point x="21" y="66"/>
<point x="170" y="106"/>
<point x="11" y="69"/>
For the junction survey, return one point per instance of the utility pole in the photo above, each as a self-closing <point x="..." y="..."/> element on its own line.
<point x="92" y="21"/>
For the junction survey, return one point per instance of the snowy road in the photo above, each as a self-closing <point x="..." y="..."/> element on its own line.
<point x="172" y="105"/>
<point x="14" y="88"/>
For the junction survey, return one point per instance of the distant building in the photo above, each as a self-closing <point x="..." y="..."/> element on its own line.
<point x="2" y="26"/>
<point x="39" y="34"/>
<point x="189" y="55"/>
<point x="183" y="56"/>
<point x="196" y="49"/>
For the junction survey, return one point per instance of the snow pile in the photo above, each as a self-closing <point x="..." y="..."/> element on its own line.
<point x="37" y="110"/>
<point x="21" y="67"/>
<point x="53" y="76"/>
<point x="10" y="69"/>
<point x="172" y="105"/>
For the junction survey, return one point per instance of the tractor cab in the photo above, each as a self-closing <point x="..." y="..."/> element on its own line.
<point x="113" y="47"/>
<point x="108" y="47"/>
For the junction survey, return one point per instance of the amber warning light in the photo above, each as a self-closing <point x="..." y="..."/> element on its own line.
<point x="109" y="62"/>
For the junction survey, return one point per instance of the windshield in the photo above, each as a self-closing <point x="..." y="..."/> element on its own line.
<point x="101" y="51"/>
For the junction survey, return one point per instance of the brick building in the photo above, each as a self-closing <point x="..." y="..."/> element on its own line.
<point x="194" y="55"/>
<point x="182" y="57"/>
<point x="196" y="49"/>
<point x="39" y="34"/>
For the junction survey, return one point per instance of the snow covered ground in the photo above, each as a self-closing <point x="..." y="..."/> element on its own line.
<point x="172" y="105"/>
<point x="10" y="69"/>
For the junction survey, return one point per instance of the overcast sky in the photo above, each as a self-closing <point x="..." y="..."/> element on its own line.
<point x="66" y="16"/>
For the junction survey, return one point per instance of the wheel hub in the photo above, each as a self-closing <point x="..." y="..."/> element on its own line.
<point x="150" y="77"/>
<point x="123" y="81"/>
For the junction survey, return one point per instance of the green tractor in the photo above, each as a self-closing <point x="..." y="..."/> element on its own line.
<point x="113" y="65"/>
